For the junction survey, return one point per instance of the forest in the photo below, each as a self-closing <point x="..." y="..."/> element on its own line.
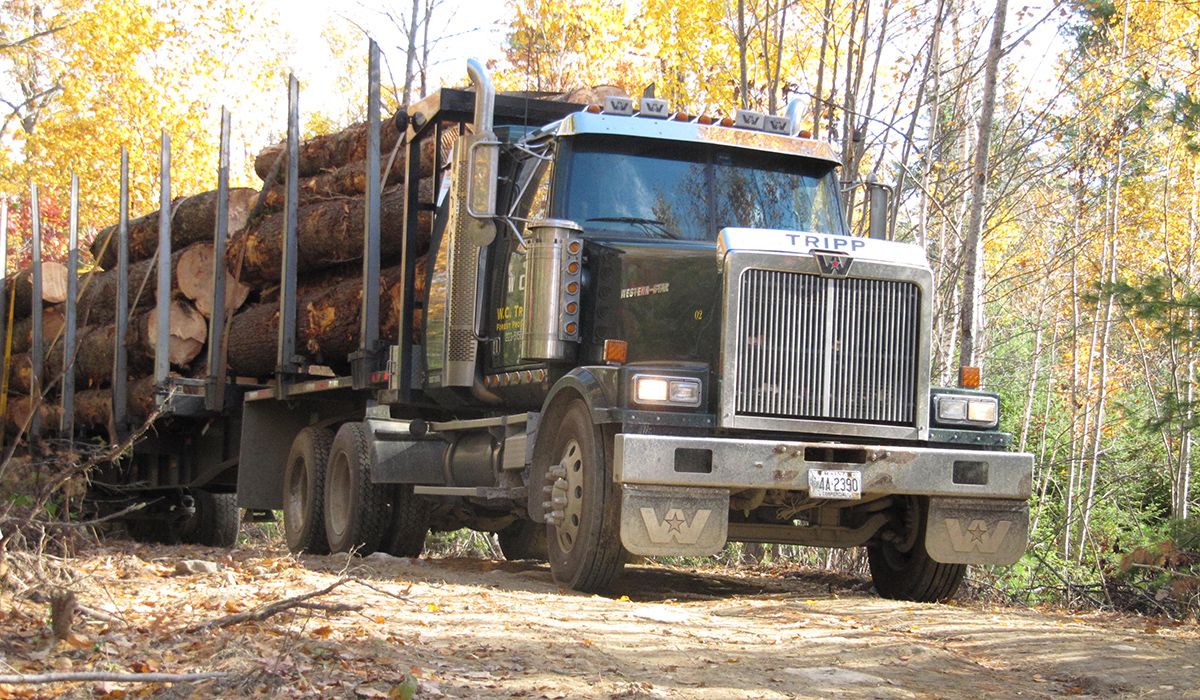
<point x="1047" y="157"/>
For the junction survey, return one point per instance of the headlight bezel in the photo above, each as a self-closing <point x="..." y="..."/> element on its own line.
<point x="674" y="392"/>
<point x="954" y="409"/>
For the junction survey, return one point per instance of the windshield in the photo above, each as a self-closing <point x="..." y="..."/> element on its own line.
<point x="667" y="189"/>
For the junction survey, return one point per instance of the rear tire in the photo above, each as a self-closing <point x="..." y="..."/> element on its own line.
<point x="304" y="491"/>
<point x="903" y="570"/>
<point x="410" y="523"/>
<point x="524" y="539"/>
<point x="216" y="522"/>
<point x="357" y="511"/>
<point x="585" y="545"/>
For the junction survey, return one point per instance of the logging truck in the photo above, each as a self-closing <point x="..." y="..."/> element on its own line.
<point x="598" y="330"/>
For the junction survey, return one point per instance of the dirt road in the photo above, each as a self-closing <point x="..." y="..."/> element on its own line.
<point x="486" y="629"/>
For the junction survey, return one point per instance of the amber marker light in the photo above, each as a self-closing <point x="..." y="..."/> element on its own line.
<point x="706" y="120"/>
<point x="727" y="121"/>
<point x="616" y="352"/>
<point x="970" y="377"/>
<point x="593" y="109"/>
<point x="682" y="117"/>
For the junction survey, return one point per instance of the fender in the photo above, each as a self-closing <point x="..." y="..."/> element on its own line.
<point x="598" y="386"/>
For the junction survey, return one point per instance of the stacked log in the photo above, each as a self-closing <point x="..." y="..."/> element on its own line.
<point x="323" y="153"/>
<point x="18" y="288"/>
<point x="193" y="218"/>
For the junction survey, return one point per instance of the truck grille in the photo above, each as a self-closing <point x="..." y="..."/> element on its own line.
<point x="816" y="347"/>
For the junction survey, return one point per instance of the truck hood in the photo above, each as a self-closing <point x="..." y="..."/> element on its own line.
<point x="802" y="242"/>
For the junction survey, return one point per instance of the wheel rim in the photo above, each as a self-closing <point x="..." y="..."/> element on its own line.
<point x="337" y="500"/>
<point x="567" y="530"/>
<point x="297" y="494"/>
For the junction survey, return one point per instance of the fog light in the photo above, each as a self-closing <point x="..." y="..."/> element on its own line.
<point x="951" y="408"/>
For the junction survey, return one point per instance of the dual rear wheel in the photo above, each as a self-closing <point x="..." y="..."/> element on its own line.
<point x="330" y="503"/>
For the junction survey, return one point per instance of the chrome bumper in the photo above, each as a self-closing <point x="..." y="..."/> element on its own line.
<point x="769" y="464"/>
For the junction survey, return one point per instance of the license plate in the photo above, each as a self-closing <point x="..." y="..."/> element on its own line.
<point x="834" y="483"/>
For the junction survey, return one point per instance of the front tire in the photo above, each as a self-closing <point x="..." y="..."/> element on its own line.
<point x="583" y="532"/>
<point x="357" y="511"/>
<point x="901" y="568"/>
<point x="304" y="491"/>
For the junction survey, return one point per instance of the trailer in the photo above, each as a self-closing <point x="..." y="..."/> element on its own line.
<point x="642" y="332"/>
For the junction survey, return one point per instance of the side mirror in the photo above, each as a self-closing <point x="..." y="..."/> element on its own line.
<point x="473" y="195"/>
<point x="879" y="198"/>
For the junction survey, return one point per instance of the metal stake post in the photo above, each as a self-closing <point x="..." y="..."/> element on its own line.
<point x="214" y="395"/>
<point x="286" y="361"/>
<point x="36" y="348"/>
<point x="162" y="363"/>
<point x="68" y="374"/>
<point x="366" y="360"/>
<point x="120" y="380"/>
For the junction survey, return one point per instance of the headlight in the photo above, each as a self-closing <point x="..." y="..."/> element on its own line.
<point x="978" y="411"/>
<point x="666" y="391"/>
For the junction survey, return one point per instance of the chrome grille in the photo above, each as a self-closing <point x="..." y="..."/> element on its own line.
<point x="817" y="347"/>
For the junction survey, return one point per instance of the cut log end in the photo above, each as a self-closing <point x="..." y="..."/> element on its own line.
<point x="195" y="277"/>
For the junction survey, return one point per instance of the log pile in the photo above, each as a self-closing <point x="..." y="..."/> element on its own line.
<point x="331" y="210"/>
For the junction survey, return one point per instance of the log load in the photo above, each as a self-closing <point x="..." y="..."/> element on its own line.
<point x="327" y="327"/>
<point x="53" y="321"/>
<point x="94" y="355"/>
<point x="347" y="181"/>
<point x="93" y="408"/>
<point x="191" y="276"/>
<point x="325" y="152"/>
<point x="54" y="288"/>
<point x="194" y="219"/>
<point x="328" y="234"/>
<point x="20" y="408"/>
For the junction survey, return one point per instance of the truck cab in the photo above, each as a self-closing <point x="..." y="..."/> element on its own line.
<point x="671" y="341"/>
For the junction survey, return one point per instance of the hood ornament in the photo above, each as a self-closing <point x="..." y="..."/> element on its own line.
<point x="832" y="263"/>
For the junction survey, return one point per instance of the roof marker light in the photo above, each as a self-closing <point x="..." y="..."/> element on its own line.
<point x="653" y="108"/>
<point x="681" y="117"/>
<point x="618" y="105"/>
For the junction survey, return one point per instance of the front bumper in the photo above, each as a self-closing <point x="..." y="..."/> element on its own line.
<point x="738" y="463"/>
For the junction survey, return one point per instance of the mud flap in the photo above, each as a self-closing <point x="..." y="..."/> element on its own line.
<point x="976" y="530"/>
<point x="674" y="521"/>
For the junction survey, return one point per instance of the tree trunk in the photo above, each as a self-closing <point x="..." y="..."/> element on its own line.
<point x="53" y="322"/>
<point x="328" y="234"/>
<point x="973" y="245"/>
<point x="194" y="218"/>
<point x="194" y="278"/>
<point x="325" y="152"/>
<point x="20" y="408"/>
<point x="347" y="181"/>
<point x="54" y="288"/>
<point x="94" y="358"/>
<point x="327" y="324"/>
<point x="93" y="408"/>
<point x="191" y="276"/>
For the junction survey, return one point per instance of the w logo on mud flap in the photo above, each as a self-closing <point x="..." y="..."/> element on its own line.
<point x="674" y="527"/>
<point x="979" y="536"/>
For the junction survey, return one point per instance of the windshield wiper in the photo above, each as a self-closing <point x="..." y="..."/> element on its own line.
<point x="649" y="225"/>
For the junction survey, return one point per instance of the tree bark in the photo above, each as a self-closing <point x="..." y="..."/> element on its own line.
<point x="93" y="408"/>
<point x="20" y="408"/>
<point x="347" y="181"/>
<point x="54" y="288"/>
<point x="326" y="151"/>
<point x="194" y="218"/>
<point x="973" y="245"/>
<point x="327" y="324"/>
<point x="328" y="234"/>
<point x="53" y="321"/>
